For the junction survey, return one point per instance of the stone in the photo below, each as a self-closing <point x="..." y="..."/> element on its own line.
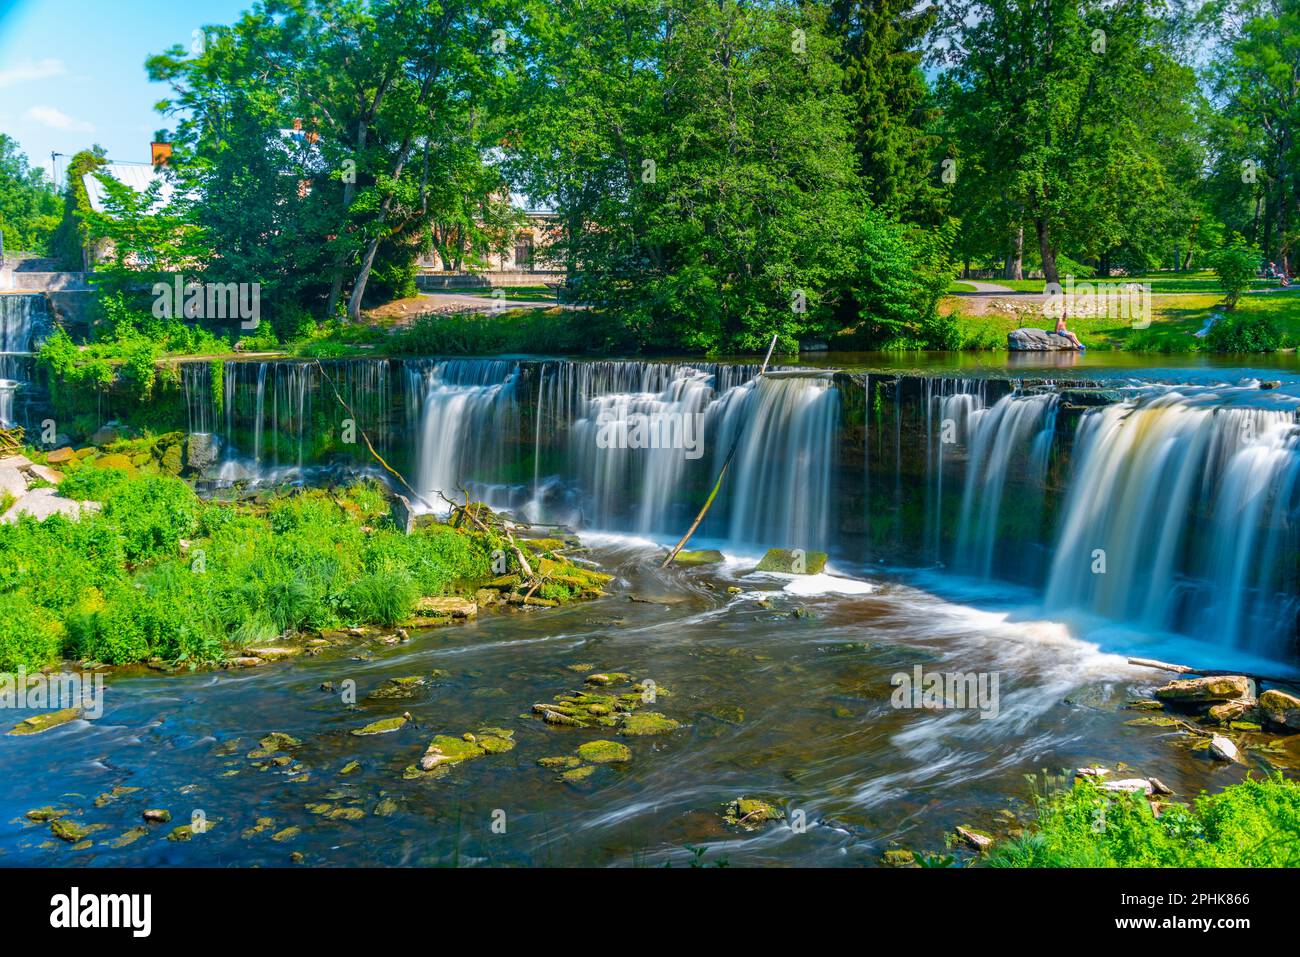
<point x="1230" y="710"/>
<point x="12" y="482"/>
<point x="1028" y="339"/>
<point x="1281" y="708"/>
<point x="39" y="723"/>
<point x="899" y="858"/>
<point x="751" y="813"/>
<point x="41" y="503"/>
<point x="604" y="752"/>
<point x="202" y="449"/>
<point x="976" y="840"/>
<point x="382" y="726"/>
<point x="277" y="653"/>
<point x="647" y="722"/>
<point x="1129" y="785"/>
<point x="403" y="514"/>
<point x="1198" y="690"/>
<point x="1223" y="748"/>
<point x="579" y="774"/>
<point x="279" y="741"/>
<point x="46" y="474"/>
<point x="690" y="559"/>
<point x="157" y="815"/>
<point x="456" y="607"/>
<point x="563" y="761"/>
<point x="444" y="749"/>
<point x="59" y="456"/>
<point x="785" y="560"/>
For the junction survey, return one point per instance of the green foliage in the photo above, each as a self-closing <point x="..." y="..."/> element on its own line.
<point x="1238" y="332"/>
<point x="71" y="239"/>
<point x="554" y="331"/>
<point x="115" y="586"/>
<point x="1252" y="824"/>
<point x="1236" y="265"/>
<point x="29" y="206"/>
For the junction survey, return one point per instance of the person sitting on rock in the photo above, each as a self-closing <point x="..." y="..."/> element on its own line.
<point x="1062" y="331"/>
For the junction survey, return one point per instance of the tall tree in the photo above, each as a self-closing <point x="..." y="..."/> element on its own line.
<point x="29" y="206"/>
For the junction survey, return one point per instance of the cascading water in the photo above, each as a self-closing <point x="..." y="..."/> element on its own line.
<point x="1009" y="447"/>
<point x="24" y="324"/>
<point x="1190" y="494"/>
<point x="465" y="415"/>
<point x="1181" y="509"/>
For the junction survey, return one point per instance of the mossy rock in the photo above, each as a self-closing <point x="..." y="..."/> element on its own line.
<point x="608" y="678"/>
<point x="784" y="560"/>
<point x="578" y="774"/>
<point x="688" y="559"/>
<point x="42" y="814"/>
<point x="129" y="837"/>
<point x="171" y="460"/>
<point x="399" y="687"/>
<point x="116" y="460"/>
<point x="279" y="741"/>
<point x="39" y="723"/>
<point x="604" y="752"/>
<point x="447" y="750"/>
<point x="647" y="722"/>
<point x="288" y="834"/>
<point x="899" y="858"/>
<point x="751" y="813"/>
<point x="382" y="726"/>
<point x="563" y="761"/>
<point x="108" y="797"/>
<point x="350" y="767"/>
<point x="70" y="831"/>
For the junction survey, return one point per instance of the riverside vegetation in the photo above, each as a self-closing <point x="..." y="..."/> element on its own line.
<point x="158" y="574"/>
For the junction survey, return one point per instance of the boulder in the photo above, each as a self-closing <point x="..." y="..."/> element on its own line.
<point x="785" y="560"/>
<point x="46" y="474"/>
<point x="1037" y="340"/>
<point x="201" y="451"/>
<point x="456" y="607"/>
<point x="1223" y="748"/>
<point x="12" y="482"/>
<point x="109" y="432"/>
<point x="403" y="514"/>
<point x="706" y="557"/>
<point x="41" y="503"/>
<point x="1198" y="690"/>
<point x="1281" y="708"/>
<point x="60" y="455"/>
<point x="1129" y="785"/>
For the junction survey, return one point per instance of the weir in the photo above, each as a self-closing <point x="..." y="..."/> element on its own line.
<point x="1173" y="508"/>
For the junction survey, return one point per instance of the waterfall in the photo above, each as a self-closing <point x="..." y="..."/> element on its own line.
<point x="465" y="415"/>
<point x="24" y="322"/>
<point x="781" y="479"/>
<point x="1009" y="446"/>
<point x="1181" y="515"/>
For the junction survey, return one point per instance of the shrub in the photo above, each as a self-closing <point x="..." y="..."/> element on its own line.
<point x="386" y="595"/>
<point x="152" y="514"/>
<point x="30" y="636"/>
<point x="1239" y="332"/>
<point x="1235" y="265"/>
<point x="1251" y="824"/>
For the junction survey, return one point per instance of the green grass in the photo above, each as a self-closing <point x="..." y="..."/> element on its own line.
<point x="1251" y="824"/>
<point x="1160" y="282"/>
<point x="1174" y="320"/>
<point x="118" y="586"/>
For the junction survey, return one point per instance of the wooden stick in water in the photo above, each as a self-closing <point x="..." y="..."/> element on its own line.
<point x="726" y="464"/>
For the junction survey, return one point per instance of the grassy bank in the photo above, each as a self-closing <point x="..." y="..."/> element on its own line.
<point x="1174" y="320"/>
<point x="157" y="573"/>
<point x="1251" y="824"/>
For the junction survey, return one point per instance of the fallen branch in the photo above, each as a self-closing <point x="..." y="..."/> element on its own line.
<point x="1209" y="673"/>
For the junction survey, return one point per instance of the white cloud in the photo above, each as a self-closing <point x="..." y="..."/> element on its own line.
<point x="57" y="119"/>
<point x="32" y="70"/>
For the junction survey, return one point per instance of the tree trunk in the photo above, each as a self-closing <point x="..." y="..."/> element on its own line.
<point x="363" y="277"/>
<point x="1045" y="251"/>
<point x="1015" y="267"/>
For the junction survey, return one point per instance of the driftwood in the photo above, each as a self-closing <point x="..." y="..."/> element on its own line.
<point x="11" y="440"/>
<point x="722" y="473"/>
<point x="1211" y="673"/>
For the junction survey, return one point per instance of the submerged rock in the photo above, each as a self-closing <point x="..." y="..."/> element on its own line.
<point x="898" y="858"/>
<point x="647" y="722"/>
<point x="383" y="726"/>
<point x="579" y="774"/>
<point x="562" y="761"/>
<point x="39" y="723"/>
<point x="157" y="815"/>
<point x="445" y="750"/>
<point x="1223" y="748"/>
<point x="751" y="813"/>
<point x="72" y="831"/>
<point x="976" y="840"/>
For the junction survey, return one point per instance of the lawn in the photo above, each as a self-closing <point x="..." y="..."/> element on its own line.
<point x="1175" y="318"/>
<point x="1160" y="282"/>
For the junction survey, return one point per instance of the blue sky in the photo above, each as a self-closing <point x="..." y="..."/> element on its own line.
<point x="72" y="71"/>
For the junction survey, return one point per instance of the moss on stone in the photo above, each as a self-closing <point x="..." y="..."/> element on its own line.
<point x="382" y="726"/>
<point x="563" y="761"/>
<point x="647" y="722"/>
<point x="578" y="774"/>
<point x="39" y="723"/>
<point x="785" y="560"/>
<point x="604" y="752"/>
<point x="751" y="813"/>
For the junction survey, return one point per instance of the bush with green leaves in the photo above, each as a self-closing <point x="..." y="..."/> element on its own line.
<point x="1242" y="332"/>
<point x="1236" y="265"/>
<point x="1251" y="824"/>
